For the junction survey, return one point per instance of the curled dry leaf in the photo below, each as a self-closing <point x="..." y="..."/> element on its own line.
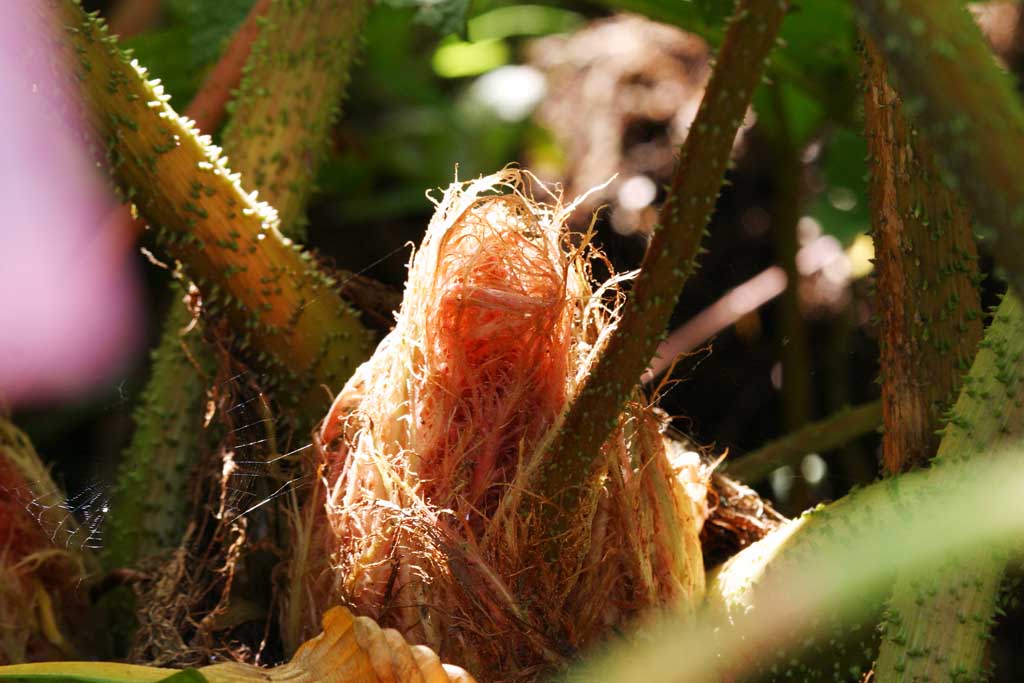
<point x="350" y="650"/>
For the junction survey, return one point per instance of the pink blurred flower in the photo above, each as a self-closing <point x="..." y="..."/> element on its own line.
<point x="68" y="300"/>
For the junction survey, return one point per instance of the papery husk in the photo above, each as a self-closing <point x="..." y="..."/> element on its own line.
<point x="430" y="449"/>
<point x="42" y="563"/>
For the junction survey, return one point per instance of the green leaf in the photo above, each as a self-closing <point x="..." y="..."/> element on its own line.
<point x="180" y="51"/>
<point x="842" y="206"/>
<point x="95" y="672"/>
<point x="445" y="16"/>
<point x="801" y="114"/>
<point x="185" y="676"/>
<point x="817" y="53"/>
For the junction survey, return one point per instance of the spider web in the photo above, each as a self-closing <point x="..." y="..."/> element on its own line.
<point x="70" y="522"/>
<point x="258" y="458"/>
<point x="255" y="473"/>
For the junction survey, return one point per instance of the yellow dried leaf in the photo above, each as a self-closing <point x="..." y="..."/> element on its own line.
<point x="350" y="650"/>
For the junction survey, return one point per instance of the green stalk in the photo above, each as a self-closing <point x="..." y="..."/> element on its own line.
<point x="931" y="322"/>
<point x="290" y="321"/>
<point x="150" y="500"/>
<point x="927" y="278"/>
<point x="938" y="620"/>
<point x="937" y="626"/>
<point x="823" y="435"/>
<point x="300" y="47"/>
<point x="965" y="107"/>
<point x="149" y="503"/>
<point x="289" y="97"/>
<point x="566" y="478"/>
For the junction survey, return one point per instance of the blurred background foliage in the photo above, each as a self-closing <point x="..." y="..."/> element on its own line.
<point x="579" y="91"/>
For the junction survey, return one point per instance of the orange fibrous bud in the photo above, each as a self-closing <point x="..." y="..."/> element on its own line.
<point x="432" y="446"/>
<point x="496" y="350"/>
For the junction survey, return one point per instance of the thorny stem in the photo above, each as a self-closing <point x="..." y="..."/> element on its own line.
<point x="933" y="48"/>
<point x="207" y="108"/>
<point x="935" y="626"/>
<point x="210" y="104"/>
<point x="288" y="99"/>
<point x="938" y="621"/>
<point x="574" y="458"/>
<point x="150" y="500"/>
<point x="290" y="320"/>
<point x="299" y="46"/>
<point x="823" y="435"/>
<point x="927" y="278"/>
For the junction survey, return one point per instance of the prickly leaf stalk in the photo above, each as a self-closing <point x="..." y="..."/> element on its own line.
<point x="927" y="277"/>
<point x="288" y="317"/>
<point x="937" y="626"/>
<point x="565" y="481"/>
<point x="294" y="49"/>
<point x="150" y="499"/>
<point x="933" y="48"/>
<point x="288" y="98"/>
<point x="937" y="623"/>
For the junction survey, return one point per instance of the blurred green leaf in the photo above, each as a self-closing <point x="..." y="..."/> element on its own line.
<point x="458" y="58"/>
<point x="445" y="16"/>
<point x="714" y="12"/>
<point x="819" y="55"/>
<point x="840" y="560"/>
<point x="522" y="20"/>
<point x="842" y="206"/>
<point x="787" y="112"/>
<point x="94" y="672"/>
<point x="191" y="39"/>
<point x="185" y="676"/>
<point x="817" y="51"/>
<point x="408" y="128"/>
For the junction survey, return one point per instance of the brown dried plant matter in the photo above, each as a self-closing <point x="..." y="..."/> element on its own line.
<point x="40" y="597"/>
<point x="428" y="449"/>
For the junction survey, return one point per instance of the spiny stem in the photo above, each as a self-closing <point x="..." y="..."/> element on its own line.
<point x="566" y="478"/>
<point x="290" y="320"/>
<point x="933" y="48"/>
<point x="823" y="435"/>
<point x="210" y="104"/>
<point x="938" y="620"/>
<point x="207" y="108"/>
<point x="927" y="277"/>
<point x="288" y="98"/>
<point x="937" y="625"/>
<point x="150" y="500"/>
